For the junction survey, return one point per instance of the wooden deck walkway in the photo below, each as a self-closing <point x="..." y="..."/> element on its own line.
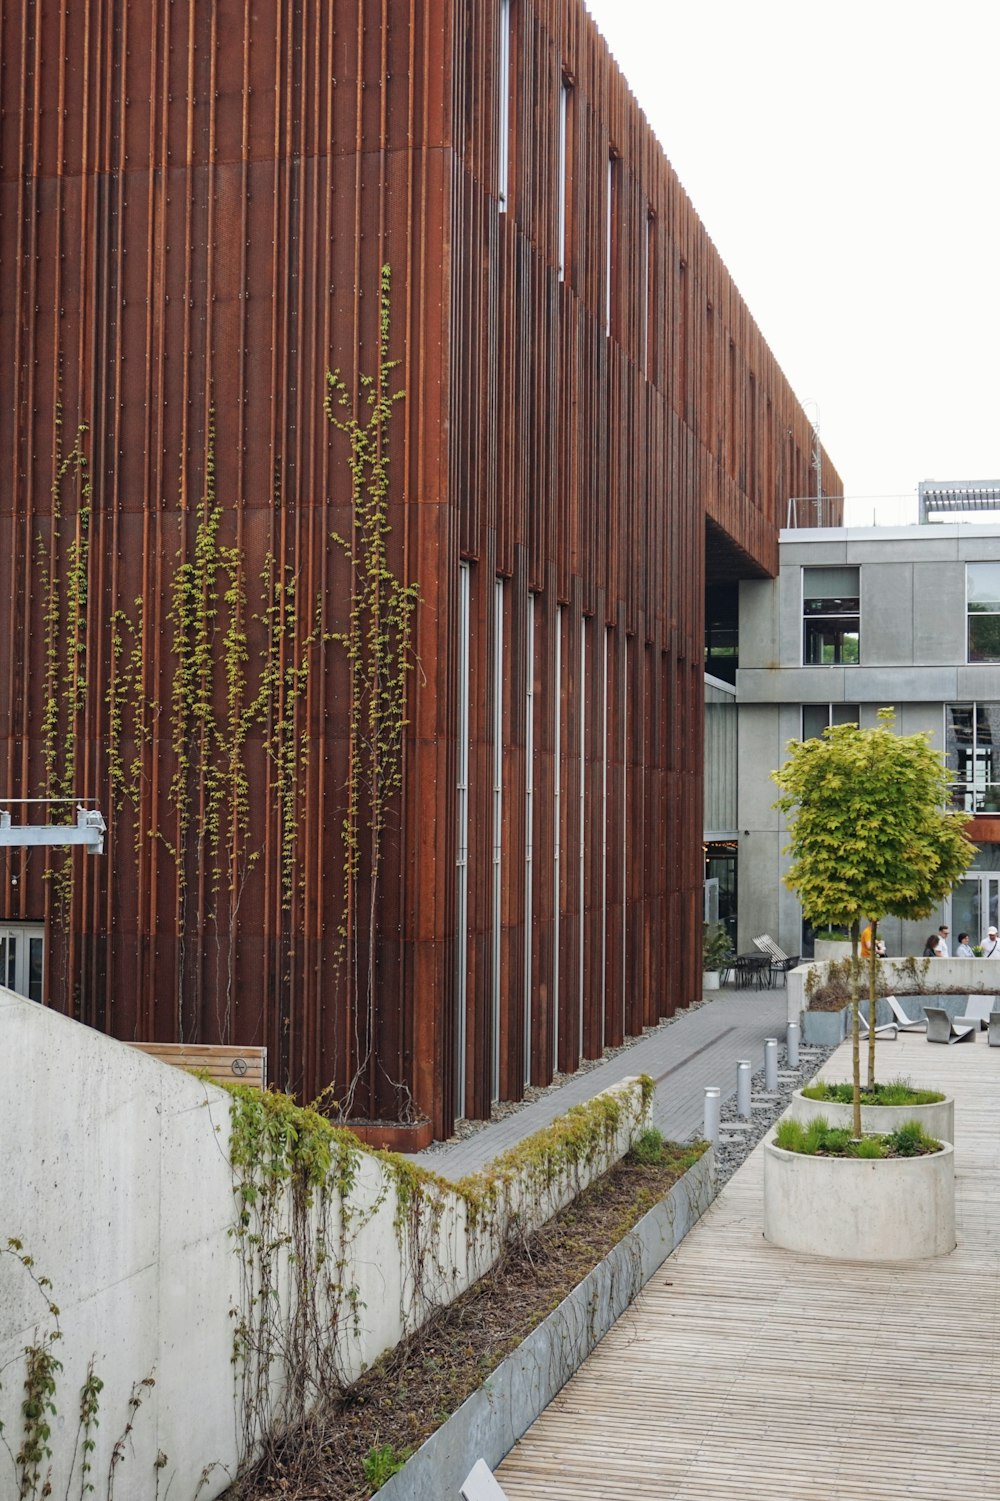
<point x="752" y="1372"/>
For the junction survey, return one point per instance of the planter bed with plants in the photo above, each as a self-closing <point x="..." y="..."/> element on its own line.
<point x="882" y="1108"/>
<point x="881" y="1198"/>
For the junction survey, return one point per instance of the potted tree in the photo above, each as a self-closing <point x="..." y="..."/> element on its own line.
<point x="869" y="833"/>
<point x="716" y="954"/>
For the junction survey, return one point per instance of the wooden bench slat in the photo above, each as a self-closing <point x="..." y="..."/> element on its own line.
<point x="240" y="1065"/>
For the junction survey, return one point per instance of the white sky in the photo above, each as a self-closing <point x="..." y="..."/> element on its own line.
<point x="844" y="156"/>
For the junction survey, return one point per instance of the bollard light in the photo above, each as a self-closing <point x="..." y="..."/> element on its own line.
<point x="771" y="1064"/>
<point x="713" y="1107"/>
<point x="792" y="1044"/>
<point x="743" y="1088"/>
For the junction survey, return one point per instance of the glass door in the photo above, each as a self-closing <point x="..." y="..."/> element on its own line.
<point x="975" y="905"/>
<point x="22" y="958"/>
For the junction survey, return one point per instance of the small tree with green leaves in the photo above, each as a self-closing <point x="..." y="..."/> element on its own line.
<point x="870" y="835"/>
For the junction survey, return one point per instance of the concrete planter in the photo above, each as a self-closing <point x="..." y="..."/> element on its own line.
<point x="824" y="1029"/>
<point x="831" y="948"/>
<point x="859" y="1209"/>
<point x="937" y="1119"/>
<point x="710" y="979"/>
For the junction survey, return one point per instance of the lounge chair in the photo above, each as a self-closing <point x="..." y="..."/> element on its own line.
<point x="903" y="1022"/>
<point x="781" y="962"/>
<point x="481" y="1484"/>
<point x="941" y="1028"/>
<point x="978" y="1008"/>
<point x="993" y="1037"/>
<point x="883" y="1029"/>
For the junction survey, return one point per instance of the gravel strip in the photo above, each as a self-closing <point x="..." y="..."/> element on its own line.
<point x="731" y="1154"/>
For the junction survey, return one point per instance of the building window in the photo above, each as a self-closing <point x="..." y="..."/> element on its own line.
<point x="982" y="582"/>
<point x="503" y="104"/>
<point x="831" y="611"/>
<point x="817" y="717"/>
<point x="972" y="738"/>
<point x="562" y="170"/>
<point x="22" y="959"/>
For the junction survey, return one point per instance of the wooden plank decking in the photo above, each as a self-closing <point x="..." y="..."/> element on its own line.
<point x="748" y="1371"/>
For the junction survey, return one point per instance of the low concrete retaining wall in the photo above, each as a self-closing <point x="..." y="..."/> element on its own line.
<point x="119" y="1186"/>
<point x="491" y="1421"/>
<point x="971" y="976"/>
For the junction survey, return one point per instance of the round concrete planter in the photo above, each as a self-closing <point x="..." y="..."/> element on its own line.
<point x="860" y="1209"/>
<point x="710" y="979"/>
<point x="876" y="1120"/>
<point x="831" y="948"/>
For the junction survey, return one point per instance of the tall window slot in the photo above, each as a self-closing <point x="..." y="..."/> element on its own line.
<point x="503" y="104"/>
<point x="462" y="841"/>
<point x="529" y="821"/>
<point x="648" y="294"/>
<point x="556" y="833"/>
<point x="604" y="843"/>
<point x="582" y="694"/>
<point x="611" y="226"/>
<point x="497" y="823"/>
<point x="562" y="184"/>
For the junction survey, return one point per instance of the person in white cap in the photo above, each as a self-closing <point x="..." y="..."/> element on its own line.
<point x="991" y="944"/>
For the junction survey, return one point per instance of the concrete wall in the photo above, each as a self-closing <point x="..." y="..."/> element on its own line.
<point x="119" y="1186"/>
<point x="913" y="651"/>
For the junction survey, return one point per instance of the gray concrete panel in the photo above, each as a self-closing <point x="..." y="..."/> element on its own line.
<point x="977" y="549"/>
<point x="886" y="614"/>
<point x="760" y="895"/>
<point x="790" y="617"/>
<point x="761" y="748"/>
<point x="939" y="629"/>
<point x="803" y="685"/>
<point x="758" y="623"/>
<point x="914" y="543"/>
<point x="922" y="719"/>
<point x="982" y="682"/>
<point x="885" y="685"/>
<point x="830" y="553"/>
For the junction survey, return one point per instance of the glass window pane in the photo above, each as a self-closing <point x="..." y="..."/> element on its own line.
<point x="845" y="714"/>
<point x="35" y="946"/>
<point x="832" y="643"/>
<point x="984" y="638"/>
<point x="815" y="718"/>
<point x="832" y="583"/>
<point x="983" y="582"/>
<point x="11" y="981"/>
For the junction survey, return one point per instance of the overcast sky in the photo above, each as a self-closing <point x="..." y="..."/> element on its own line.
<point x="844" y="159"/>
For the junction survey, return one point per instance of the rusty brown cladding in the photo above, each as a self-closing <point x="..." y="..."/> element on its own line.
<point x="196" y="201"/>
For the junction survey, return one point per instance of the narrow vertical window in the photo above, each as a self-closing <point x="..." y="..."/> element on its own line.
<point x="648" y="352"/>
<point x="582" y="693"/>
<point x="462" y="841"/>
<point x="556" y="834"/>
<point x="561" y="184"/>
<point x="609" y="247"/>
<point x="529" y="821"/>
<point x="625" y="811"/>
<point x="497" y="824"/>
<point x="604" y="843"/>
<point x="503" y="104"/>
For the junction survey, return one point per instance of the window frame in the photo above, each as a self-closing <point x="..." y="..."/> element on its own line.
<point x="808" y="568"/>
<point x="993" y="614"/>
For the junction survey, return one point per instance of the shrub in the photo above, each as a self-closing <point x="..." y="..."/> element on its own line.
<point x="716" y="950"/>
<point x="647" y="1149"/>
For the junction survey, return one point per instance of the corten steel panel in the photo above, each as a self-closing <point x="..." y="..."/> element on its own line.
<point x="195" y="201"/>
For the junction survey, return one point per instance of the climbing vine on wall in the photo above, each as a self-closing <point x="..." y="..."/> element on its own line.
<point x="64" y="596"/>
<point x="378" y="644"/>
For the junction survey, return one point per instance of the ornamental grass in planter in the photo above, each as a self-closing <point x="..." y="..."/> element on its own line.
<point x="882" y="1108"/>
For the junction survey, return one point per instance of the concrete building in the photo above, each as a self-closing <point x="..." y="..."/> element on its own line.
<point x="857" y="619"/>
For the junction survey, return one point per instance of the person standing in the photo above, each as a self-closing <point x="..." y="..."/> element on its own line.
<point x="944" y="952"/>
<point x="991" y="944"/>
<point x="932" y="948"/>
<point x="964" y="950"/>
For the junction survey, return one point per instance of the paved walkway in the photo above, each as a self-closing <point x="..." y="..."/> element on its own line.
<point x="698" y="1048"/>
<point x="745" y="1370"/>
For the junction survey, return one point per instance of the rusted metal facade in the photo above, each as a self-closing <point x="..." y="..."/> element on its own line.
<point x="197" y="197"/>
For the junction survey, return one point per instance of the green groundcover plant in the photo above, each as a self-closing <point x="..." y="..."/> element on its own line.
<point x="893" y="1092"/>
<point x="818" y="1138"/>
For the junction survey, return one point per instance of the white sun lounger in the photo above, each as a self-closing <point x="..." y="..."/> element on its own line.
<point x="903" y="1022"/>
<point x="978" y="1008"/>
<point x="940" y="1027"/>
<point x="889" y="1031"/>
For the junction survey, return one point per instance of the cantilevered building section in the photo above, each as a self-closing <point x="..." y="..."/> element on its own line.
<point x="198" y="202"/>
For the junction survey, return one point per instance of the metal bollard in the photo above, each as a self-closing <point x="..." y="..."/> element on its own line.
<point x="713" y="1106"/>
<point x="792" y="1044"/>
<point x="743" y="1088"/>
<point x="771" y="1064"/>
